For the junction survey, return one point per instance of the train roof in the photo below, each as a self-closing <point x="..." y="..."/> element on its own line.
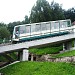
<point x="43" y="22"/>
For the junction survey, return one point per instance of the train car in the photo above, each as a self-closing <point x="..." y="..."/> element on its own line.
<point x="33" y="31"/>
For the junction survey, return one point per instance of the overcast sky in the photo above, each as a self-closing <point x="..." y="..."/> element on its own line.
<point x="15" y="10"/>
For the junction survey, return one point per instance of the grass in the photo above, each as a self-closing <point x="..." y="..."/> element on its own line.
<point x="65" y="54"/>
<point x="39" y="68"/>
<point x="46" y="50"/>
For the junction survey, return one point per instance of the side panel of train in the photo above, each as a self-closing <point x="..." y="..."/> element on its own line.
<point x="34" y="31"/>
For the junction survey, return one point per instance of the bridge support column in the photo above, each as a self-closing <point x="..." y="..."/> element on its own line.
<point x="32" y="56"/>
<point x="24" y="55"/>
<point x="67" y="45"/>
<point x="63" y="46"/>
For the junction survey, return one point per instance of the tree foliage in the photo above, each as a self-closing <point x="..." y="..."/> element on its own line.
<point x="43" y="11"/>
<point x="70" y="14"/>
<point x="4" y="33"/>
<point x="40" y="12"/>
<point x="26" y="20"/>
<point x="57" y="11"/>
<point x="3" y="25"/>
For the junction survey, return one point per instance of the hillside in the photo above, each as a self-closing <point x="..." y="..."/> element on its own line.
<point x="46" y="50"/>
<point x="39" y="68"/>
<point x="65" y="54"/>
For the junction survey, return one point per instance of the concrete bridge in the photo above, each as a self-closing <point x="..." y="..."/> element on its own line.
<point x="22" y="48"/>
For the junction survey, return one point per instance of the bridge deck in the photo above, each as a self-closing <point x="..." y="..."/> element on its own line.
<point x="33" y="43"/>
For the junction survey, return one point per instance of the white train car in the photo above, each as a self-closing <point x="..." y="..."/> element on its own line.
<point x="28" y="32"/>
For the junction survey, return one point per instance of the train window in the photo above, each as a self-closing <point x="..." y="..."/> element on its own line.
<point x="37" y="27"/>
<point x="63" y="24"/>
<point x="43" y="26"/>
<point x="56" y="25"/>
<point x="68" y="23"/>
<point x="28" y="30"/>
<point x="17" y="29"/>
<point x="48" y="26"/>
<point x="22" y="29"/>
<point x="17" y="32"/>
<point x="32" y="28"/>
<point x="52" y="25"/>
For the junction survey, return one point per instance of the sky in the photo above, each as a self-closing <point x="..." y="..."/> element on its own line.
<point x="15" y="10"/>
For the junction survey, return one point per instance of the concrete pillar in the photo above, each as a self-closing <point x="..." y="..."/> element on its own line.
<point x="24" y="55"/>
<point x="69" y="45"/>
<point x="63" y="46"/>
<point x="32" y="57"/>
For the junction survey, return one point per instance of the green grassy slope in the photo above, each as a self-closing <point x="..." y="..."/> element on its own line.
<point x="46" y="50"/>
<point x="39" y="68"/>
<point x="65" y="54"/>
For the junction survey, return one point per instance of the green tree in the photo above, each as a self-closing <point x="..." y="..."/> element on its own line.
<point x="4" y="33"/>
<point x="43" y="11"/>
<point x="70" y="14"/>
<point x="26" y="19"/>
<point x="40" y="12"/>
<point x="57" y="11"/>
<point x="2" y="25"/>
